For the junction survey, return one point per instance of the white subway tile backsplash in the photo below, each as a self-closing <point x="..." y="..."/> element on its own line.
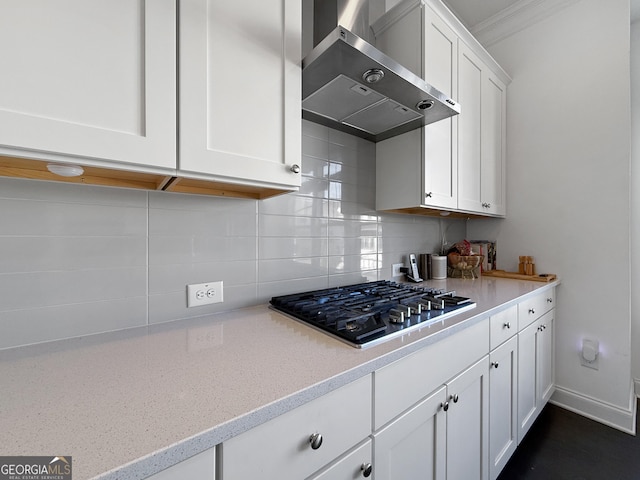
<point x="315" y="147"/>
<point x="314" y="167"/>
<point x="290" y="226"/>
<point x="353" y="245"/>
<point x="82" y="259"/>
<point x="46" y="253"/>
<point x="315" y="130"/>
<point x="55" y="192"/>
<point x="51" y="288"/>
<point x="296" y="205"/>
<point x="266" y="290"/>
<point x="35" y="325"/>
<point x="40" y="218"/>
<point x="173" y="250"/>
<point x="272" y="248"/>
<point x="167" y="307"/>
<point x="292" y="268"/>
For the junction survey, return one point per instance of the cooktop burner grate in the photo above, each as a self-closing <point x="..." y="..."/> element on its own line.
<point x="368" y="313"/>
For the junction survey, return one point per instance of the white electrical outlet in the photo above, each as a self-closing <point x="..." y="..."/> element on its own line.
<point x="395" y="269"/>
<point x="200" y="294"/>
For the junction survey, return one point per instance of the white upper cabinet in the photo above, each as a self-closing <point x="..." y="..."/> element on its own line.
<point x="240" y="92"/>
<point x="482" y="136"/>
<point x="457" y="164"/>
<point x="94" y="82"/>
<point x="420" y="167"/>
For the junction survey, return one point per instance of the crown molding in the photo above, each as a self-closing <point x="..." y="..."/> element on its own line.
<point x="515" y="18"/>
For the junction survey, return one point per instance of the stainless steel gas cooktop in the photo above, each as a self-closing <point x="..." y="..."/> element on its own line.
<point x="369" y="313"/>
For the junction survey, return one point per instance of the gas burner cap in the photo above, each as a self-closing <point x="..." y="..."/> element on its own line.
<point x="352" y="327"/>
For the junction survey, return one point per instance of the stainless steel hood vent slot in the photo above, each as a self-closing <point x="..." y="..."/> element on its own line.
<point x="335" y="91"/>
<point x="340" y="98"/>
<point x="382" y="117"/>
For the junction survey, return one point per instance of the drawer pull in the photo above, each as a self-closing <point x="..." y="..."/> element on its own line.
<point x="532" y="311"/>
<point x="549" y="300"/>
<point x="295" y="168"/>
<point x="454" y="398"/>
<point x="507" y="325"/>
<point x="315" y="440"/>
<point x="444" y="406"/>
<point x="366" y="468"/>
<point x="495" y="364"/>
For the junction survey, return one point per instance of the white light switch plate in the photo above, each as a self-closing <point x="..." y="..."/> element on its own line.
<point x="200" y="294"/>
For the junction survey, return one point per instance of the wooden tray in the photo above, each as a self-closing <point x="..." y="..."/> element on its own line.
<point x="545" y="277"/>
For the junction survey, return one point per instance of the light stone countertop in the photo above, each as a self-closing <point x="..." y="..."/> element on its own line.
<point x="128" y="404"/>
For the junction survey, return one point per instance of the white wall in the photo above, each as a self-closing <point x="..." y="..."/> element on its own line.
<point x="568" y="137"/>
<point x="635" y="200"/>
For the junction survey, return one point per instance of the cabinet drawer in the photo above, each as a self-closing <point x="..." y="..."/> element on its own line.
<point x="351" y="466"/>
<point x="405" y="382"/>
<point x="280" y="448"/>
<point x="503" y="325"/>
<point x="533" y="308"/>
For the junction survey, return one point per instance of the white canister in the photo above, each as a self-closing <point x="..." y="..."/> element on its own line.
<point x="438" y="267"/>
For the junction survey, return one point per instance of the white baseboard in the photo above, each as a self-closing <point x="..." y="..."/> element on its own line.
<point x="636" y="386"/>
<point x="616" y="417"/>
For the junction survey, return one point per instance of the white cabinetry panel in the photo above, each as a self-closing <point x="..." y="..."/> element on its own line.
<point x="414" y="445"/>
<point x="281" y="447"/>
<point x="240" y="111"/>
<point x="92" y="81"/>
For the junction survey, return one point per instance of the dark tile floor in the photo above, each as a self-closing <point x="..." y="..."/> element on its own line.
<point x="562" y="445"/>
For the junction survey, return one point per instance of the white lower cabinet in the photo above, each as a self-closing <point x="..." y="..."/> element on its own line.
<point x="198" y="467"/>
<point x="300" y="442"/>
<point x="468" y="423"/>
<point x="414" y="445"/>
<point x="445" y="436"/>
<point x="503" y="398"/>
<point x="535" y="370"/>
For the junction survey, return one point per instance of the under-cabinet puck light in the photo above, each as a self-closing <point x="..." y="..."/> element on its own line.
<point x="65" y="170"/>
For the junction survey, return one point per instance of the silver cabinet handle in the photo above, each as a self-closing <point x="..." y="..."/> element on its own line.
<point x="315" y="440"/>
<point x="444" y="406"/>
<point x="366" y="469"/>
<point x="532" y="311"/>
<point x="295" y="168"/>
<point x="507" y="325"/>
<point x="495" y="364"/>
<point x="454" y="398"/>
<point x="549" y="300"/>
<point x="428" y="194"/>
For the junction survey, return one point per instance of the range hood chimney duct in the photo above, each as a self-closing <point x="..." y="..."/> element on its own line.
<point x="349" y="85"/>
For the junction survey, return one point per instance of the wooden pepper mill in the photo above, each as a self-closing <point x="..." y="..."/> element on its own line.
<point x="526" y="265"/>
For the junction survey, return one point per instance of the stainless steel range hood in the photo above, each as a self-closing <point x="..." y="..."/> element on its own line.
<point x="349" y="85"/>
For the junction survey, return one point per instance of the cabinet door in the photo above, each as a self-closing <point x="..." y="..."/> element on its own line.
<point x="89" y="82"/>
<point x="494" y="113"/>
<point x="198" y="467"/>
<point x="469" y="129"/>
<point x="503" y="398"/>
<point x="240" y="91"/>
<point x="468" y="424"/>
<point x="413" y="446"/>
<point x="545" y="355"/>
<point x="528" y="403"/>
<point x="440" y="168"/>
